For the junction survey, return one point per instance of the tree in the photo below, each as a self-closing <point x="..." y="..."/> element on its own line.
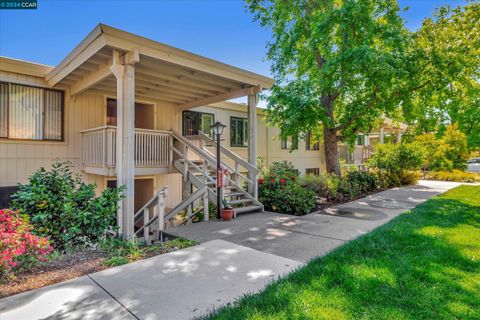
<point x="447" y="59"/>
<point x="337" y="66"/>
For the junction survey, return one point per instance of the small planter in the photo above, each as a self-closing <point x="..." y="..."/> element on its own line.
<point x="227" y="214"/>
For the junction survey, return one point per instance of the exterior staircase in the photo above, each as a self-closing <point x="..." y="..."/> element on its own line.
<point x="197" y="164"/>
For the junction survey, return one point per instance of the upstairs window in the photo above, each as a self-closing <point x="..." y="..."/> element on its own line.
<point x="194" y="121"/>
<point x="238" y="132"/>
<point x="310" y="143"/>
<point x="360" y="139"/>
<point x="30" y="113"/>
<point x="291" y="143"/>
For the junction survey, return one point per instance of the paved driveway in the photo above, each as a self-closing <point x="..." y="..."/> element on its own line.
<point x="233" y="259"/>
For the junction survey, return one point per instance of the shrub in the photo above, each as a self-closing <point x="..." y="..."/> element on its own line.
<point x="332" y="187"/>
<point x="115" y="261"/>
<point x="65" y="209"/>
<point x="362" y="181"/>
<point x="446" y="153"/>
<point x="291" y="199"/>
<point x="392" y="163"/>
<point x="409" y="177"/>
<point x="324" y="185"/>
<point x="17" y="244"/>
<point x="280" y="191"/>
<point x="454" y="175"/>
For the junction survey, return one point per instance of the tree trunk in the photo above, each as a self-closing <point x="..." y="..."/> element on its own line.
<point x="330" y="140"/>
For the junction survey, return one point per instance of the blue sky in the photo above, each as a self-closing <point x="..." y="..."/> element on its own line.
<point x="218" y="29"/>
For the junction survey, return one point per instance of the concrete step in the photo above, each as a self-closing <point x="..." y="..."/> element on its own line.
<point x="239" y="201"/>
<point x="233" y="194"/>
<point x="247" y="209"/>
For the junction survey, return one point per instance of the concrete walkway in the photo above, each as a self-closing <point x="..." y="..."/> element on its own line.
<point x="305" y="237"/>
<point x="233" y="258"/>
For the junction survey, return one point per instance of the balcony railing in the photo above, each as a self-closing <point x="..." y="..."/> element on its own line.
<point x="153" y="152"/>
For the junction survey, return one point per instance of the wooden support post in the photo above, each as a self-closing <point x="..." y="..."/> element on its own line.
<point x="381" y="136"/>
<point x="124" y="72"/>
<point x="252" y="141"/>
<point x="399" y="137"/>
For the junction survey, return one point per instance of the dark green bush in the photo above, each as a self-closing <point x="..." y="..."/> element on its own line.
<point x="362" y="182"/>
<point x="280" y="191"/>
<point x="332" y="187"/>
<point x="65" y="209"/>
<point x="392" y="163"/>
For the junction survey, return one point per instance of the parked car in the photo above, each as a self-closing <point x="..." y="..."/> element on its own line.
<point x="473" y="165"/>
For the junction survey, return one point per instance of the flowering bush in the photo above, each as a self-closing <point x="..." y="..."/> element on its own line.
<point x="16" y="242"/>
<point x="280" y="191"/>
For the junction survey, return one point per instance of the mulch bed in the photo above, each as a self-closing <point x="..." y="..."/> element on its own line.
<point x="68" y="266"/>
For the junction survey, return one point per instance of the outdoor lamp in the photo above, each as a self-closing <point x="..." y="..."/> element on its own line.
<point x="218" y="130"/>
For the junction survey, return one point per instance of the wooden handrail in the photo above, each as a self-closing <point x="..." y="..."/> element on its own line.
<point x="115" y="127"/>
<point x="162" y="191"/>
<point x="247" y="165"/>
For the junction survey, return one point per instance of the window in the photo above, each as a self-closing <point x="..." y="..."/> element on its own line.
<point x="30" y="113"/>
<point x="314" y="171"/>
<point x="194" y="121"/>
<point x="360" y="139"/>
<point x="309" y="142"/>
<point x="291" y="143"/>
<point x="206" y="121"/>
<point x="238" y="132"/>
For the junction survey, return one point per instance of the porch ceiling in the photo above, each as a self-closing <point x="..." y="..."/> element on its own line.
<point x="162" y="73"/>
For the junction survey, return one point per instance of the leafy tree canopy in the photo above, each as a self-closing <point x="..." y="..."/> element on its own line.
<point x="337" y="66"/>
<point x="447" y="59"/>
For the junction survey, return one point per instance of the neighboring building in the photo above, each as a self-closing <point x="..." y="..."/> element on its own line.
<point x="128" y="110"/>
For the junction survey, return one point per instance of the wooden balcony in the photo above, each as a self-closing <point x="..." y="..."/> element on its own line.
<point x="153" y="151"/>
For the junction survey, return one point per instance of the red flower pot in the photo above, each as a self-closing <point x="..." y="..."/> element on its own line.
<point x="227" y="214"/>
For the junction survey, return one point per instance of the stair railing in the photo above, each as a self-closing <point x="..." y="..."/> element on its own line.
<point x="238" y="161"/>
<point x="210" y="159"/>
<point x="157" y="203"/>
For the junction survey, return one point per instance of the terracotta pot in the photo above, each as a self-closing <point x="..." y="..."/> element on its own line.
<point x="227" y="214"/>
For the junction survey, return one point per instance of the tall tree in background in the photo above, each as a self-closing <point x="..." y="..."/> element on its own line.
<point x="337" y="66"/>
<point x="447" y="61"/>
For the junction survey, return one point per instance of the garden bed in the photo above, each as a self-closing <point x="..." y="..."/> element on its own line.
<point x="74" y="265"/>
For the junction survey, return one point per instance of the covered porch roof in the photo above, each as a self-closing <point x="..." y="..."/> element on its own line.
<point x="162" y="72"/>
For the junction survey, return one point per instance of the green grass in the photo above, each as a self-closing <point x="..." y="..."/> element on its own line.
<point x="425" y="264"/>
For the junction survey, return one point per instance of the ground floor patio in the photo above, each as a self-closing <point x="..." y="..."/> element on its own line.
<point x="233" y="258"/>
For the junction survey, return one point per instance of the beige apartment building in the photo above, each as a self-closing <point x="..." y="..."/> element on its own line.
<point x="127" y="110"/>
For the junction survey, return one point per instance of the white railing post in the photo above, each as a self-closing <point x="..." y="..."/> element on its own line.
<point x="185" y="162"/>
<point x="170" y="148"/>
<point x="146" y="228"/>
<point x="205" y="206"/>
<point x="205" y="195"/>
<point x="236" y="173"/>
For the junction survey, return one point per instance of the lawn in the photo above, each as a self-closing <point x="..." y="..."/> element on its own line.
<point x="425" y="264"/>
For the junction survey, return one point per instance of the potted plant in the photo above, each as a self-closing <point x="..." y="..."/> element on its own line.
<point x="227" y="211"/>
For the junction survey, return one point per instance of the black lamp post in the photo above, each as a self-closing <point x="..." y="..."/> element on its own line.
<point x="218" y="130"/>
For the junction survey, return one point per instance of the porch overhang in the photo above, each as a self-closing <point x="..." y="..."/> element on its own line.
<point x="162" y="72"/>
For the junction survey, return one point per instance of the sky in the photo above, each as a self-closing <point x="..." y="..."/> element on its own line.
<point x="219" y="29"/>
